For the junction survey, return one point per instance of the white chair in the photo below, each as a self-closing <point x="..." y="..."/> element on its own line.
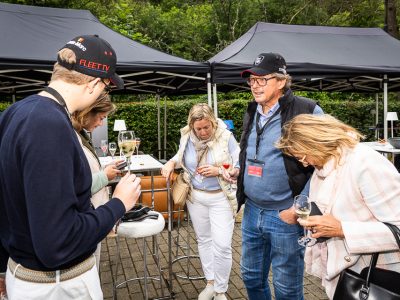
<point x="141" y="229"/>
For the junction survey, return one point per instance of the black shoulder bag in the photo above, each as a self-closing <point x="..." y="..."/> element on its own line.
<point x="372" y="283"/>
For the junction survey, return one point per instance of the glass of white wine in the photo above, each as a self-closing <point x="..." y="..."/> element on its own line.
<point x="302" y="207"/>
<point x="137" y="146"/>
<point x="127" y="145"/>
<point x="112" y="147"/>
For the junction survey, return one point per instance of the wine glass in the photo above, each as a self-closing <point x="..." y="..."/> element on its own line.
<point x="137" y="146"/>
<point x="128" y="145"/>
<point x="104" y="147"/>
<point x="227" y="164"/>
<point x="112" y="147"/>
<point x="120" y="141"/>
<point x="302" y="207"/>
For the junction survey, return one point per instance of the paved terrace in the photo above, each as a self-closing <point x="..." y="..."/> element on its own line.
<point x="132" y="266"/>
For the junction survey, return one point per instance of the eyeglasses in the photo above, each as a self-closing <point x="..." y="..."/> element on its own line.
<point x="107" y="86"/>
<point x="261" y="81"/>
<point x="303" y="160"/>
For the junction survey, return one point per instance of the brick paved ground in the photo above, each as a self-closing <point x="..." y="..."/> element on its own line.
<point x="132" y="266"/>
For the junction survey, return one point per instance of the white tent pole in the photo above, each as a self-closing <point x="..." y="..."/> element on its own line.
<point x="215" y="100"/>
<point x="385" y="106"/>
<point x="158" y="127"/>
<point x="376" y="116"/>
<point x="165" y="128"/>
<point x="209" y="89"/>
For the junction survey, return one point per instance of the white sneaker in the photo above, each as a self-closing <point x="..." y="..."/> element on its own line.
<point x="207" y="293"/>
<point x="220" y="297"/>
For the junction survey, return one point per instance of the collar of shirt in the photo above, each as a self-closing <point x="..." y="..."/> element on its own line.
<point x="264" y="117"/>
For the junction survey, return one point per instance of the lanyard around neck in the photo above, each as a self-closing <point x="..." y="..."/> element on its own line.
<point x="260" y="131"/>
<point x="59" y="98"/>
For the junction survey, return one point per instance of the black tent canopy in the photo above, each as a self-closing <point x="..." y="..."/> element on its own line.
<point x="319" y="58"/>
<point x="31" y="37"/>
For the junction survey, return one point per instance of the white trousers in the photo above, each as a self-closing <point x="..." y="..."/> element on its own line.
<point x="213" y="223"/>
<point x="84" y="287"/>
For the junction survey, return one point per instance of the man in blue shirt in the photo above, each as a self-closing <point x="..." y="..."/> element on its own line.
<point x="48" y="228"/>
<point x="267" y="181"/>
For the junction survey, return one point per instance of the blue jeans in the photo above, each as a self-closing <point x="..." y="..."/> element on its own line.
<point x="267" y="240"/>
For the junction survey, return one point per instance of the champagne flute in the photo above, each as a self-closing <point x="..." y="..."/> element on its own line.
<point x="112" y="147"/>
<point x="104" y="147"/>
<point x="137" y="146"/>
<point x="302" y="207"/>
<point x="128" y="145"/>
<point x="120" y="142"/>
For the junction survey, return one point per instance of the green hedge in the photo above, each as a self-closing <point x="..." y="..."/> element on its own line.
<point x="142" y="117"/>
<point x="354" y="109"/>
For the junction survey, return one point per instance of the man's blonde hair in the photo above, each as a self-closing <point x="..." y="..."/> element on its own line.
<point x="69" y="76"/>
<point x="321" y="136"/>
<point x="199" y="112"/>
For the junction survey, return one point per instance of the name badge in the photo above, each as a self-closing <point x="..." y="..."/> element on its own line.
<point x="255" y="167"/>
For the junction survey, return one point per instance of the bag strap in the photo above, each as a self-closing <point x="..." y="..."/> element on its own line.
<point x="185" y="169"/>
<point x="395" y="230"/>
<point x="364" y="292"/>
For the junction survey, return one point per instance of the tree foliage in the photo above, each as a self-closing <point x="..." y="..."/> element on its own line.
<point x="198" y="29"/>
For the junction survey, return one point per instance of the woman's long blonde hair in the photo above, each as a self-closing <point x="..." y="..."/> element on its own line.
<point x="321" y="136"/>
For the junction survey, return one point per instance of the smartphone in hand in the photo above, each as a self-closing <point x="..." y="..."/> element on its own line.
<point x="122" y="165"/>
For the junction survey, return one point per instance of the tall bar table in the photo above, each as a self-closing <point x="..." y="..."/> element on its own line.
<point x="384" y="148"/>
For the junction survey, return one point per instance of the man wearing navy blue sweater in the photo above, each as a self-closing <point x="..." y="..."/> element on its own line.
<point x="47" y="225"/>
<point x="267" y="181"/>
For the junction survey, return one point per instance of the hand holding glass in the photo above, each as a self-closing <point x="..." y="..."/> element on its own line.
<point x="227" y="165"/>
<point x="302" y="207"/>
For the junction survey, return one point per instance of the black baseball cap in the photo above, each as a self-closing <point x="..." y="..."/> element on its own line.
<point x="267" y="63"/>
<point x="94" y="57"/>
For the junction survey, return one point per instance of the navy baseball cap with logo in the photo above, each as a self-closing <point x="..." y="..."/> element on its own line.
<point x="267" y="63"/>
<point x="94" y="57"/>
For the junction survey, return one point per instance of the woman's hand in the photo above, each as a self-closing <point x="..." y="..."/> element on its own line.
<point x="323" y="226"/>
<point x="208" y="170"/>
<point x="112" y="171"/>
<point x="167" y="169"/>
<point x="232" y="175"/>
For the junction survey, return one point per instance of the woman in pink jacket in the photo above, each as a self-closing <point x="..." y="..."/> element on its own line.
<point x="355" y="188"/>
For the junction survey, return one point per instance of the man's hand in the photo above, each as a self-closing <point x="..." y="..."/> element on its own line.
<point x="128" y="190"/>
<point x="288" y="215"/>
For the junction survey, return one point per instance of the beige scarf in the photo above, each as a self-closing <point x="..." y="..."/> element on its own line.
<point x="201" y="147"/>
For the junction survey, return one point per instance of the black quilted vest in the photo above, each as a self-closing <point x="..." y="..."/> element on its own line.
<point x="291" y="106"/>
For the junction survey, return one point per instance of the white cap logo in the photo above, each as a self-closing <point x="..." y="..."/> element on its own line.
<point x="258" y="60"/>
